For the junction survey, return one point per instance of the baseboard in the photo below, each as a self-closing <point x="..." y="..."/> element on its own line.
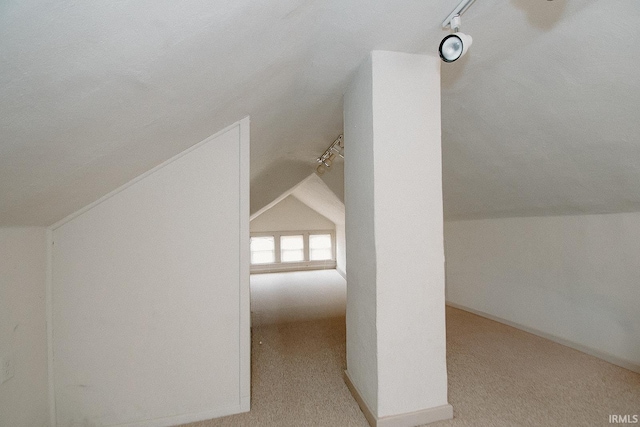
<point x="411" y="419"/>
<point x="418" y="418"/>
<point x="371" y="419"/>
<point x="191" y="418"/>
<point x="615" y="360"/>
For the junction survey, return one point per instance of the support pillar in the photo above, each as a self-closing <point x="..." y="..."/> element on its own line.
<point x="396" y="340"/>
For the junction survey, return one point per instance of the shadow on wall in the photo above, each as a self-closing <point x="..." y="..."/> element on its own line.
<point x="543" y="16"/>
<point x="451" y="73"/>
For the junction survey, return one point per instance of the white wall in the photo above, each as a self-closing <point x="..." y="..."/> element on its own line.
<point x="576" y="278"/>
<point x="150" y="295"/>
<point x="334" y="178"/>
<point x="341" y="250"/>
<point x="362" y="348"/>
<point x="290" y="214"/>
<point x="409" y="233"/>
<point x="396" y="344"/>
<point x="23" y="328"/>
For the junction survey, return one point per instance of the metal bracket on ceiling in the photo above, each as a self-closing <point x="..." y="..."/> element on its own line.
<point x="459" y="10"/>
<point x="326" y="159"/>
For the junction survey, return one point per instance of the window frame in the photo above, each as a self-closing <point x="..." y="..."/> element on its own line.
<point x="251" y="252"/>
<point x="306" y="264"/>
<point x="304" y="248"/>
<point x="331" y="241"/>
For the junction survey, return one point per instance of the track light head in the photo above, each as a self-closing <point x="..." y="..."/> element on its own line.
<point x="454" y="46"/>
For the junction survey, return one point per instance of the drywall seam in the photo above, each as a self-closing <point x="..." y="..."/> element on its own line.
<point x="143" y="176"/>
<point x="49" y="314"/>
<point x="618" y="361"/>
<point x="244" y="265"/>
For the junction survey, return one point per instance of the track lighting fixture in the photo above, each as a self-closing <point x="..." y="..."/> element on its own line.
<point x="326" y="159"/>
<point x="455" y="45"/>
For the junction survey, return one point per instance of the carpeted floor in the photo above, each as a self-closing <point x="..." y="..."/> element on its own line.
<point x="502" y="376"/>
<point x="297" y="296"/>
<point x="296" y="378"/>
<point x="498" y="376"/>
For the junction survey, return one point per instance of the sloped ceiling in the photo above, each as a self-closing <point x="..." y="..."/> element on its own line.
<point x="539" y="118"/>
<point x="314" y="193"/>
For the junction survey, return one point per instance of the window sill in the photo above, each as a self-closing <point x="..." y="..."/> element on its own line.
<point x="293" y="266"/>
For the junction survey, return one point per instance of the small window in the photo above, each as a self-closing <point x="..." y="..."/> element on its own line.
<point x="292" y="248"/>
<point x="320" y="247"/>
<point x="263" y="250"/>
<point x="273" y="251"/>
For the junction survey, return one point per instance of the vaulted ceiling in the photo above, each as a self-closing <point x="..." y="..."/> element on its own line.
<point x="540" y="118"/>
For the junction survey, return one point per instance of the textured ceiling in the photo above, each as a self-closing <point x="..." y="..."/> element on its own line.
<point x="542" y="116"/>
<point x="539" y="118"/>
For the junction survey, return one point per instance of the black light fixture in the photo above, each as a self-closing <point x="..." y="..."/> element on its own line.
<point x="455" y="45"/>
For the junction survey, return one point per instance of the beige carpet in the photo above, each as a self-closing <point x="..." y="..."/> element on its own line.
<point x="297" y="378"/>
<point x="498" y="376"/>
<point x="501" y="376"/>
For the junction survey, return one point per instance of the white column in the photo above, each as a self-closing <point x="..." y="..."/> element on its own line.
<point x="396" y="342"/>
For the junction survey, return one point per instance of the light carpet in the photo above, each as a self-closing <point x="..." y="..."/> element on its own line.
<point x="297" y="296"/>
<point x="498" y="376"/>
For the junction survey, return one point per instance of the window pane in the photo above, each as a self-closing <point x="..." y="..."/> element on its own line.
<point x="291" y="248"/>
<point x="263" y="250"/>
<point x="320" y="254"/>
<point x="263" y="257"/>
<point x="320" y="247"/>
<point x="262" y="243"/>
<point x="291" y="242"/>
<point x="320" y="241"/>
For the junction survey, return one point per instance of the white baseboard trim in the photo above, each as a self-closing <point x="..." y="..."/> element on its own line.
<point x="418" y="418"/>
<point x="371" y="419"/>
<point x="623" y="363"/>
<point x="191" y="418"/>
<point x="411" y="419"/>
